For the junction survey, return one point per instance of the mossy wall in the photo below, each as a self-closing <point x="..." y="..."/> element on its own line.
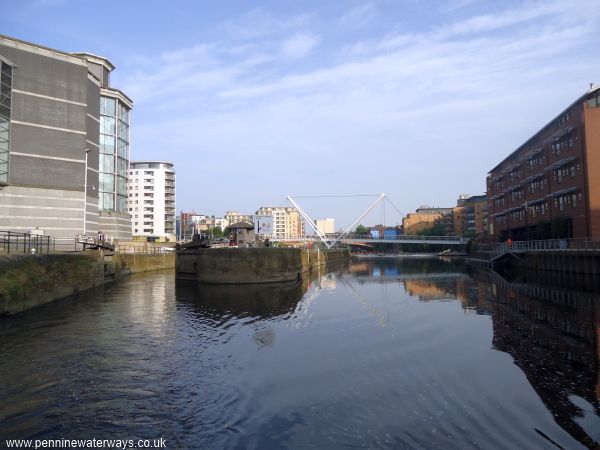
<point x="30" y="280"/>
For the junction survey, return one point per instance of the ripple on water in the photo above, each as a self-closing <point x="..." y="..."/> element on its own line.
<point x="394" y="364"/>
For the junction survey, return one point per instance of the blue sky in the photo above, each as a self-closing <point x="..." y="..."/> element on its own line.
<point x="254" y="101"/>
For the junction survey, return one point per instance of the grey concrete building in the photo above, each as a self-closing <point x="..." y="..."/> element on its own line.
<point x="50" y="142"/>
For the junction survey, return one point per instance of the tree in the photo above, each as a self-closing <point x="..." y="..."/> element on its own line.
<point x="216" y="232"/>
<point x="437" y="229"/>
<point x="361" y="229"/>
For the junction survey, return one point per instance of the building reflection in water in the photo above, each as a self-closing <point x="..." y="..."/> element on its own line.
<point x="552" y="332"/>
<point x="257" y="302"/>
<point x="553" y="335"/>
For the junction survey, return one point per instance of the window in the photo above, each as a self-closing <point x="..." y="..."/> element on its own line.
<point x="5" y="114"/>
<point x="107" y="106"/>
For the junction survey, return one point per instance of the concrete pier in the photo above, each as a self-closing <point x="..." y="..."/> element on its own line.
<point x="251" y="265"/>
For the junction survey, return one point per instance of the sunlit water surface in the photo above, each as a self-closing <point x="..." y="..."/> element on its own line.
<point x="381" y="353"/>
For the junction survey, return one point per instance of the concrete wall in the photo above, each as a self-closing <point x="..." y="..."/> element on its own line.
<point x="251" y="265"/>
<point x="31" y="280"/>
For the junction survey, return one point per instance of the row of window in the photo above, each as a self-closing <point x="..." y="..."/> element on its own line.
<point x="563" y="144"/>
<point x="560" y="203"/>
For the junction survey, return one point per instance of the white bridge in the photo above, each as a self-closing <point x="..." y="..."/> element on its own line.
<point x="347" y="237"/>
<point x="331" y="239"/>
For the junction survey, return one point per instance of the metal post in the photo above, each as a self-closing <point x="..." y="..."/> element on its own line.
<point x="309" y="220"/>
<point x="367" y="211"/>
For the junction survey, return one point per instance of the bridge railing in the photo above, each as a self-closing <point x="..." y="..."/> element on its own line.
<point x="368" y="237"/>
<point x="545" y="245"/>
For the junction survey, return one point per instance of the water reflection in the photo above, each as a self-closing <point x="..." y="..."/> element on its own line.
<point x="549" y="324"/>
<point x="380" y="353"/>
<point x="553" y="335"/>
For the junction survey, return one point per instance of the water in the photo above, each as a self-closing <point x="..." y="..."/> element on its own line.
<point x="381" y="353"/>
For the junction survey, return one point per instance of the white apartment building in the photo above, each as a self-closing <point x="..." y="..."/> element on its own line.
<point x="325" y="226"/>
<point x="151" y="200"/>
<point x="287" y="221"/>
<point x="221" y="223"/>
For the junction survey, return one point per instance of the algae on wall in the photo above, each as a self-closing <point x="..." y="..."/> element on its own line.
<point x="30" y="280"/>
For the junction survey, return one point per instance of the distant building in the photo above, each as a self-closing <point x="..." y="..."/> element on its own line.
<point x="550" y="185"/>
<point x="234" y="217"/>
<point x="470" y="216"/>
<point x="51" y="134"/>
<point x="287" y="221"/>
<point x="152" y="200"/>
<point x="242" y="233"/>
<point x="221" y="223"/>
<point x="201" y="223"/>
<point x="325" y="226"/>
<point x="426" y="217"/>
<point x="186" y="227"/>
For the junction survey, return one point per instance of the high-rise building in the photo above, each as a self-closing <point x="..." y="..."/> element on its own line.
<point x="287" y="221"/>
<point x="151" y="200"/>
<point x="50" y="141"/>
<point x="235" y="217"/>
<point x="549" y="186"/>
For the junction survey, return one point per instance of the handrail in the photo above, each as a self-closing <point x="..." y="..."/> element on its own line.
<point x="16" y="242"/>
<point x="544" y="245"/>
<point x="367" y="237"/>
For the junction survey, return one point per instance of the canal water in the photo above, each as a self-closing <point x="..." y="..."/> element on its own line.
<point x="381" y="352"/>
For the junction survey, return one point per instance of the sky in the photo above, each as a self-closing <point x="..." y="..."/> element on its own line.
<point x="255" y="101"/>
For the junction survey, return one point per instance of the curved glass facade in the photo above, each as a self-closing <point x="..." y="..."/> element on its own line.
<point x="114" y="154"/>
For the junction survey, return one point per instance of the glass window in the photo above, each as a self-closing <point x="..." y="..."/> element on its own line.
<point x="121" y="203"/>
<point x="107" y="106"/>
<point x="122" y="167"/>
<point x="107" y="125"/>
<point x="123" y="113"/>
<point x="107" y="182"/>
<point x="5" y="105"/>
<point x="121" y="186"/>
<point x="107" y="201"/>
<point x="107" y="163"/>
<point x="107" y="144"/>
<point x="122" y="150"/>
<point x="123" y="131"/>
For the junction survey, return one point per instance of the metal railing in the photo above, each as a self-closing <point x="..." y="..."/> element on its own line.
<point x="144" y="249"/>
<point x="544" y="245"/>
<point x="403" y="238"/>
<point x="14" y="242"/>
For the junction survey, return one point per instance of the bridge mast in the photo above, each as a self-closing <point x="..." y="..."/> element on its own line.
<point x="351" y="227"/>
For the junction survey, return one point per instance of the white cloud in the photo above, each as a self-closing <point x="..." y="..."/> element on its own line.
<point x="298" y="46"/>
<point x="400" y="110"/>
<point x="259" y="23"/>
<point x="359" y="16"/>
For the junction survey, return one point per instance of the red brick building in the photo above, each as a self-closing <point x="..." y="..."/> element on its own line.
<point x="550" y="186"/>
